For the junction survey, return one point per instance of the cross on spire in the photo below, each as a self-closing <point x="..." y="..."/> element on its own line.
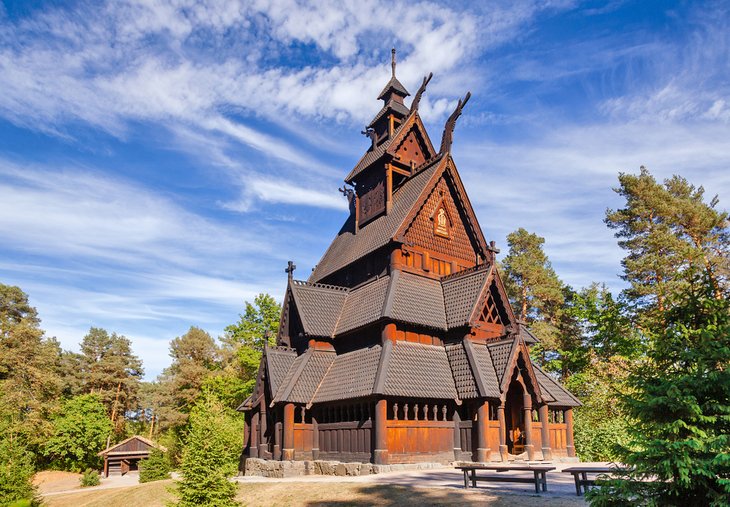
<point x="290" y="267"/>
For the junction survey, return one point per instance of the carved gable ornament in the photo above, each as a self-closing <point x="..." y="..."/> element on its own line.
<point x="442" y="221"/>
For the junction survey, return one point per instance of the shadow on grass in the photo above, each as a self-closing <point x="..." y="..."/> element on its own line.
<point x="393" y="495"/>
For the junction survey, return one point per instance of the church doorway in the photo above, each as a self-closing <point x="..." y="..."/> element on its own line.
<point x="515" y="418"/>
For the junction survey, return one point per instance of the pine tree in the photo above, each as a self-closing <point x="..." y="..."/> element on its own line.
<point x="210" y="456"/>
<point x="680" y="403"/>
<point x="667" y="230"/>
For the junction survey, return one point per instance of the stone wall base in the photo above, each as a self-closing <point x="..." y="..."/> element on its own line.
<point x="278" y="469"/>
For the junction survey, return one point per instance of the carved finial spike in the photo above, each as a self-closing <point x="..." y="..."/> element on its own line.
<point x="392" y="61"/>
<point x="419" y="93"/>
<point x="447" y="136"/>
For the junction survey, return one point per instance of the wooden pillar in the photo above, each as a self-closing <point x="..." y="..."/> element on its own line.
<point x="569" y="432"/>
<point x="106" y="466"/>
<point x="482" y="425"/>
<point x="456" y="418"/>
<point x="287" y="452"/>
<point x="380" y="454"/>
<point x="315" y="437"/>
<point x="547" y="452"/>
<point x="277" y="440"/>
<point x="254" y="439"/>
<point x="263" y="445"/>
<point x="529" y="447"/>
<point x="502" y="432"/>
<point x="388" y="190"/>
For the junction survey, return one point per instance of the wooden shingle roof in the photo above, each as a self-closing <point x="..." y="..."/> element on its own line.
<point x="417" y="370"/>
<point x="553" y="392"/>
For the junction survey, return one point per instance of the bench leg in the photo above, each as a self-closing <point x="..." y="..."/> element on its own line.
<point x="544" y="481"/>
<point x="584" y="475"/>
<point x="537" y="482"/>
<point x="466" y="479"/>
<point x="474" y="478"/>
<point x="576" y="476"/>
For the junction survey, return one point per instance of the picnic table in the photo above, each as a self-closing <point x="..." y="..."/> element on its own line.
<point x="580" y="475"/>
<point x="539" y="474"/>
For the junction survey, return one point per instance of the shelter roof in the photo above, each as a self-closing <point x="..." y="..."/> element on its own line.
<point x="147" y="442"/>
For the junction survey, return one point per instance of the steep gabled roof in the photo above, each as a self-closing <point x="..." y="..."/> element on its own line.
<point x="319" y="306"/>
<point x="304" y="376"/>
<point x="394" y="106"/>
<point x="349" y="246"/>
<point x="278" y="362"/>
<point x="483" y="368"/>
<point x="508" y="363"/>
<point x="461" y="368"/>
<point x="462" y="291"/>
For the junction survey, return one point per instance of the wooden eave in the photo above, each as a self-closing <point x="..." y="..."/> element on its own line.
<point x="110" y="450"/>
<point x="400" y="136"/>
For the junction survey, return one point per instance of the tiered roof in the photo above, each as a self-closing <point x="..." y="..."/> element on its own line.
<point x="463" y="370"/>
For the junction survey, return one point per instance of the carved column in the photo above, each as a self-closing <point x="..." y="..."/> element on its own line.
<point x="277" y="440"/>
<point x="457" y="435"/>
<point x="529" y="447"/>
<point x="315" y="437"/>
<point x="288" y="451"/>
<point x="380" y="454"/>
<point x="263" y="447"/>
<point x="547" y="452"/>
<point x="482" y="425"/>
<point x="254" y="447"/>
<point x="502" y="432"/>
<point x="569" y="432"/>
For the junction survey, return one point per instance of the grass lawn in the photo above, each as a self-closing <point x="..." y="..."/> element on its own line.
<point x="156" y="494"/>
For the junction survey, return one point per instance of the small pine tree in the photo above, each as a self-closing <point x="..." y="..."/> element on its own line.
<point x="155" y="468"/>
<point x="90" y="478"/>
<point x="16" y="473"/>
<point x="680" y="402"/>
<point x="210" y="456"/>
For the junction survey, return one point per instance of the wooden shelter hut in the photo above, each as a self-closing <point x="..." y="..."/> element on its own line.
<point x="124" y="457"/>
<point x="402" y="345"/>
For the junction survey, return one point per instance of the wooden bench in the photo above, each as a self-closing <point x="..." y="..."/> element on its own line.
<point x="539" y="478"/>
<point x="580" y="475"/>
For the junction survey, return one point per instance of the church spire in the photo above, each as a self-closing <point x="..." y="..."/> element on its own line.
<point x="392" y="62"/>
<point x="394" y="90"/>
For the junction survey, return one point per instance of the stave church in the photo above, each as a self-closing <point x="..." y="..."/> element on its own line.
<point x="402" y="346"/>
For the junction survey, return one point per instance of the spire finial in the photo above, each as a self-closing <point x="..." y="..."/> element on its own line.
<point x="392" y="61"/>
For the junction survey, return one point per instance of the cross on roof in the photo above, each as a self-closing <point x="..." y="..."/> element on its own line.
<point x="290" y="267"/>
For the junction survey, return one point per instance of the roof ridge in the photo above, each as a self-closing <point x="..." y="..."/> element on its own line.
<point x="316" y="285"/>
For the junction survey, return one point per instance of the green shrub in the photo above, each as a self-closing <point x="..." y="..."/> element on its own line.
<point x="155" y="468"/>
<point x="90" y="478"/>
<point x="16" y="472"/>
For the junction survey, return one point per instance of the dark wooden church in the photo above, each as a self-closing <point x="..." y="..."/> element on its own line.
<point x="402" y="346"/>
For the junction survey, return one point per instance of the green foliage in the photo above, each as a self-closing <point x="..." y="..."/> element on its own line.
<point x="680" y="405"/>
<point x="79" y="433"/>
<point x="90" y="478"/>
<point x="211" y="455"/>
<point x="601" y="423"/>
<point x="110" y="369"/>
<point x="155" y="468"/>
<point x="16" y="474"/>
<point x="30" y="385"/>
<point x="668" y="229"/>
<point x="258" y="324"/>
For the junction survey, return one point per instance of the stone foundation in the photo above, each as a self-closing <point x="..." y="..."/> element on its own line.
<point x="279" y="469"/>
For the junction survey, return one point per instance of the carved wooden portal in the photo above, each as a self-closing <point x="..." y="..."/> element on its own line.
<point x="515" y="418"/>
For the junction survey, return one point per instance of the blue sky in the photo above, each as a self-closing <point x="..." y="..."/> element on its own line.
<point x="161" y="161"/>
